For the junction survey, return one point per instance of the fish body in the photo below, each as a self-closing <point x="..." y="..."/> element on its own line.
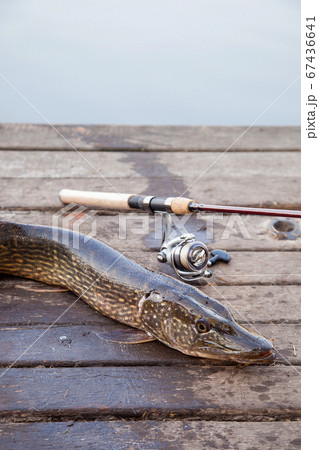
<point x="175" y="313"/>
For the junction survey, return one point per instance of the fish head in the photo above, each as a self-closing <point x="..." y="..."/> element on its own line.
<point x="200" y="326"/>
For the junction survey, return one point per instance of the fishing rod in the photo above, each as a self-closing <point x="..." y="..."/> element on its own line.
<point x="190" y="259"/>
<point x="151" y="204"/>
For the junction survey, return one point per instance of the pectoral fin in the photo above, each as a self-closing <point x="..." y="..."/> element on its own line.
<point x="126" y="336"/>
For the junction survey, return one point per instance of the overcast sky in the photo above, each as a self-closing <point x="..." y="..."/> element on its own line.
<point x="187" y="62"/>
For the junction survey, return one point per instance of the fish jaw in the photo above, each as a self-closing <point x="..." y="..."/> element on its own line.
<point x="241" y="347"/>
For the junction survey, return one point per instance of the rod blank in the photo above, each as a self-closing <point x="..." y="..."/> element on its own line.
<point x="194" y="207"/>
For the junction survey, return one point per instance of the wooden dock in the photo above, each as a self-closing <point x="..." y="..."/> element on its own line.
<point x="83" y="392"/>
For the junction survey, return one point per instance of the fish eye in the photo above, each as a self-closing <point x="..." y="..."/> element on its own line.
<point x="202" y="325"/>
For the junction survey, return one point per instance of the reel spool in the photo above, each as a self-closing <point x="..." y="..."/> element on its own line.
<point x="189" y="258"/>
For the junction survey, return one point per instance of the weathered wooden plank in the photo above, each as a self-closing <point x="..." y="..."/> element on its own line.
<point x="146" y="138"/>
<point x="245" y="268"/>
<point x="142" y="231"/>
<point x="239" y="166"/>
<point x="88" y="348"/>
<point x="163" y="175"/>
<point x="151" y="435"/>
<point x="258" y="304"/>
<point x="94" y="392"/>
<point x="255" y="304"/>
<point x="41" y="193"/>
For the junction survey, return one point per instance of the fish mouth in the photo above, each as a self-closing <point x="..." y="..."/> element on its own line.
<point x="259" y="356"/>
<point x="266" y="357"/>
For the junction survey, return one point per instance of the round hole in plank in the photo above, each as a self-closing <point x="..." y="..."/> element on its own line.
<point x="283" y="225"/>
<point x="285" y="229"/>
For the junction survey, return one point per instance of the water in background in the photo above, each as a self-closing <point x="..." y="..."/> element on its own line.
<point x="184" y="62"/>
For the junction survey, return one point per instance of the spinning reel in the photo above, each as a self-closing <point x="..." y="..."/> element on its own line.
<point x="189" y="258"/>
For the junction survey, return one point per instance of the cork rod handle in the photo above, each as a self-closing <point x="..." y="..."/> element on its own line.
<point x="106" y="200"/>
<point x="179" y="205"/>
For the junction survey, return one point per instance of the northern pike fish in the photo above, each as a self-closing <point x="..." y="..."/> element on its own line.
<point x="159" y="306"/>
